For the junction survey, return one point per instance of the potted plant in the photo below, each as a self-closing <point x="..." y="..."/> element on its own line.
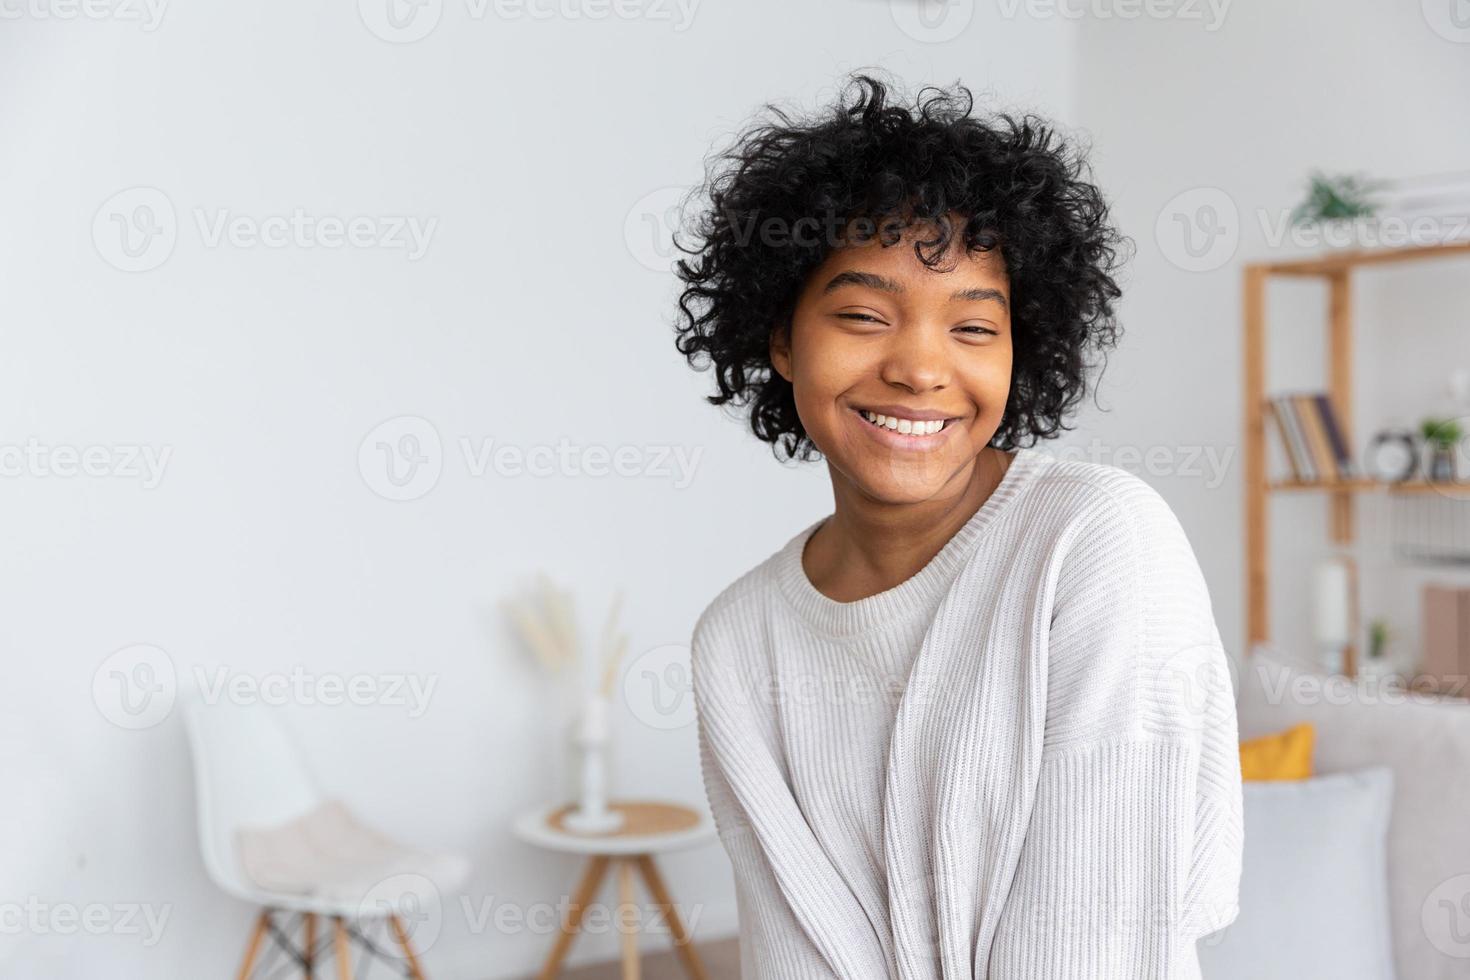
<point x="1334" y="205"/>
<point x="1442" y="437"/>
<point x="1377" y="651"/>
<point x="1340" y="198"/>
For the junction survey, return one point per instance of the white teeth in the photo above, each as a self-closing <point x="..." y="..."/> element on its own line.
<point x="904" y="426"/>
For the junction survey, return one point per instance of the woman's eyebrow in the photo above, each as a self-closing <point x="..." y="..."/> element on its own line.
<point x="981" y="293"/>
<point x="872" y="280"/>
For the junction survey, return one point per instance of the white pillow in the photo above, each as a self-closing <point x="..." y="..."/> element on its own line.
<point x="1426" y="742"/>
<point x="1313" y="884"/>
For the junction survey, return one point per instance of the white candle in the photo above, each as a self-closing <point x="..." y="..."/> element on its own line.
<point x="1331" y="615"/>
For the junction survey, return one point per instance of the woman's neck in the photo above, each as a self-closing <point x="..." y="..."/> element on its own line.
<point x="867" y="546"/>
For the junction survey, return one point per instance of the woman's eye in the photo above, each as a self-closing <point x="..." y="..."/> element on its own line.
<point x="863" y="317"/>
<point x="976" y="329"/>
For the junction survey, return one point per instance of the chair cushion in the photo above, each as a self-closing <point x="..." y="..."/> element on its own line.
<point x="327" y="854"/>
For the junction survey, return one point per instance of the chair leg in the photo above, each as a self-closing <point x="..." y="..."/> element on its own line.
<point x="309" y="955"/>
<point x="252" y="948"/>
<point x="344" y="963"/>
<point x="401" y="934"/>
<point x="586" y="891"/>
<point x="626" y="901"/>
<point x="683" y="943"/>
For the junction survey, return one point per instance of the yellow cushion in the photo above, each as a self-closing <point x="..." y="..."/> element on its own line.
<point x="1285" y="755"/>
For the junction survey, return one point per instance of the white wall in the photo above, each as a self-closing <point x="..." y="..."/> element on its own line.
<point x="1187" y="117"/>
<point x="532" y="143"/>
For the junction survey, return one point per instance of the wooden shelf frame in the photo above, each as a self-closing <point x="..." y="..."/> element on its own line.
<point x="1335" y="271"/>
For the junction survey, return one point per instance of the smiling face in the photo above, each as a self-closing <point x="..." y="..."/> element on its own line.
<point x="900" y="372"/>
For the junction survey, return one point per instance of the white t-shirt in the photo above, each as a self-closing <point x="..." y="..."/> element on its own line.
<point x="1020" y="763"/>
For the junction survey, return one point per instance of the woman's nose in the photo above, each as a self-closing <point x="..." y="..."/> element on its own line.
<point x="918" y="359"/>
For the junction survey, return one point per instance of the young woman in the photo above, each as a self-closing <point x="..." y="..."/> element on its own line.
<point x="978" y="721"/>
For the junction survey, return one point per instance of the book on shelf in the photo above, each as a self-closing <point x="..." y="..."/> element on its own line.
<point x="1315" y="442"/>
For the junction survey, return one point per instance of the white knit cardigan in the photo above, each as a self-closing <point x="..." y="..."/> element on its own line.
<point x="1058" y="800"/>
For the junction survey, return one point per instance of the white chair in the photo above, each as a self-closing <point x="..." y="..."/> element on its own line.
<point x="249" y="777"/>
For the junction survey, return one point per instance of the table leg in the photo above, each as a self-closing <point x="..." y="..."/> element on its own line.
<point x="586" y="891"/>
<point x="630" y="936"/>
<point x="309" y="956"/>
<point x="339" y="941"/>
<point x="682" y="940"/>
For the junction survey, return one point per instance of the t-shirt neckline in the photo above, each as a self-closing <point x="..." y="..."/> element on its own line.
<point x="845" y="618"/>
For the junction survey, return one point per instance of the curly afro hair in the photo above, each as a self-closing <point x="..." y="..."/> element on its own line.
<point x="869" y="161"/>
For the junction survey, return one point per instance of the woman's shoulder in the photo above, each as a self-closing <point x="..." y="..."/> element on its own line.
<point x="742" y="602"/>
<point x="1098" y="498"/>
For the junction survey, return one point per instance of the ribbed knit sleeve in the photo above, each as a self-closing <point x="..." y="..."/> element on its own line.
<point x="772" y="943"/>
<point x="1133" y="847"/>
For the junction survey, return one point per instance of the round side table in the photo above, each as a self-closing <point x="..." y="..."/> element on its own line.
<point x="648" y="828"/>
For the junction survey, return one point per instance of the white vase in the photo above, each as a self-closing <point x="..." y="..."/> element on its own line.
<point x="591" y="815"/>
<point x="1375" y="668"/>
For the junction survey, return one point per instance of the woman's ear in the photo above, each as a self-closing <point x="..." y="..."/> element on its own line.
<point x="781" y="351"/>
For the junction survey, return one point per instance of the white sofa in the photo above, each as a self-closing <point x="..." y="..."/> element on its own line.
<point x="1423" y="743"/>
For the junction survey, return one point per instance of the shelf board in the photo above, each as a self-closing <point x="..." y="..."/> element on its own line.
<point x="1329" y="263"/>
<point x="1458" y="489"/>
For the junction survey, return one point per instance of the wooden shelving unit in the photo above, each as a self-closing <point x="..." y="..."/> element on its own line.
<point x="1335" y="272"/>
